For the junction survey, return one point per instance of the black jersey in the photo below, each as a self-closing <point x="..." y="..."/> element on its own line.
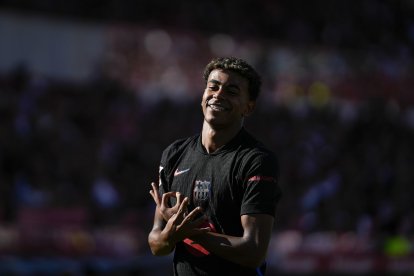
<point x="239" y="178"/>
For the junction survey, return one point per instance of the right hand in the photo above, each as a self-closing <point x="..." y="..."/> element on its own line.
<point x="162" y="202"/>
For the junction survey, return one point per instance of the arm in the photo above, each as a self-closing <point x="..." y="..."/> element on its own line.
<point x="157" y="240"/>
<point x="250" y="249"/>
<point x="261" y="194"/>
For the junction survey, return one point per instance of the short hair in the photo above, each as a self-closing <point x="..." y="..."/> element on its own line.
<point x="240" y="67"/>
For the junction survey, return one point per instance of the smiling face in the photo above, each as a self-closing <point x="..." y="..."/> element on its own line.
<point x="226" y="100"/>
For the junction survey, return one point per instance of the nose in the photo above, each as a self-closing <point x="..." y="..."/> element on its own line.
<point x="219" y="93"/>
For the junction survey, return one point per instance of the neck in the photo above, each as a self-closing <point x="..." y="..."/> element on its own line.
<point x="213" y="138"/>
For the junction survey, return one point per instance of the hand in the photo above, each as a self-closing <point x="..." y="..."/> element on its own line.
<point x="165" y="234"/>
<point x="181" y="225"/>
<point x="162" y="202"/>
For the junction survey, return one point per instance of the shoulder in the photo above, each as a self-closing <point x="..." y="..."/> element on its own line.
<point x="256" y="149"/>
<point x="181" y="144"/>
<point x="178" y="147"/>
<point x="256" y="154"/>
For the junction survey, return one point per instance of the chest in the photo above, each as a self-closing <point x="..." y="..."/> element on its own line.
<point x="209" y="180"/>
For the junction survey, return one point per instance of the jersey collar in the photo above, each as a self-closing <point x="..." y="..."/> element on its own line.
<point x="235" y="142"/>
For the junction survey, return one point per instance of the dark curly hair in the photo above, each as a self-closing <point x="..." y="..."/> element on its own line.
<point x="240" y="67"/>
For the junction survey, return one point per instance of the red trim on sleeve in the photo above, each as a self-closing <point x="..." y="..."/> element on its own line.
<point x="262" y="178"/>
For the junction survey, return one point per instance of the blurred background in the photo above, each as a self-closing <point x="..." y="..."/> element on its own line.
<point x="91" y="92"/>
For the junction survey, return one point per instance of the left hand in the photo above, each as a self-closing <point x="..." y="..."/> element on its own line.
<point x="183" y="224"/>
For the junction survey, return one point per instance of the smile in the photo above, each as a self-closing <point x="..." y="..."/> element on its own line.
<point x="217" y="107"/>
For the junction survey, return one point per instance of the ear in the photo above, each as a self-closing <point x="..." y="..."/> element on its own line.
<point x="249" y="108"/>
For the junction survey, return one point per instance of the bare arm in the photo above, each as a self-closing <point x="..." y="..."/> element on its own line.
<point x="158" y="241"/>
<point x="250" y="249"/>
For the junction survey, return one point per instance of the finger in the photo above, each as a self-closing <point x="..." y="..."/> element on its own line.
<point x="183" y="207"/>
<point x="179" y="197"/>
<point x="192" y="215"/>
<point x="179" y="216"/>
<point x="202" y="230"/>
<point x="155" y="193"/>
<point x="154" y="197"/>
<point x="154" y="186"/>
<point x="165" y="198"/>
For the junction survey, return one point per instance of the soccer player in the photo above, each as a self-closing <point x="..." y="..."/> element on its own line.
<point x="218" y="191"/>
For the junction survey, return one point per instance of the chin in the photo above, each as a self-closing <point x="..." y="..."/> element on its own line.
<point x="216" y="123"/>
<point x="213" y="121"/>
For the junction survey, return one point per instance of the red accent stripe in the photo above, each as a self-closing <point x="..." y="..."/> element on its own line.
<point x="262" y="178"/>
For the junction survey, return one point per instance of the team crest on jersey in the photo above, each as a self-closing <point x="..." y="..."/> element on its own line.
<point x="202" y="190"/>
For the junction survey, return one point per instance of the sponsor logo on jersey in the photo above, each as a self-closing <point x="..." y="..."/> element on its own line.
<point x="178" y="172"/>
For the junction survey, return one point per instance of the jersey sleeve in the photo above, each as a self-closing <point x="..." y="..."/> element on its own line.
<point x="163" y="174"/>
<point x="261" y="187"/>
<point x="162" y="181"/>
<point x="169" y="159"/>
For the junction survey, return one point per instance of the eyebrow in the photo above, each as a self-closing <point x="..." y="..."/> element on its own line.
<point x="229" y="85"/>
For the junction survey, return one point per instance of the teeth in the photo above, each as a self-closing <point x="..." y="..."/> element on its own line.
<point x="217" y="107"/>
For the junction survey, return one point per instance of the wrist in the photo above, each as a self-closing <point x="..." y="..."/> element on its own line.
<point x="167" y="239"/>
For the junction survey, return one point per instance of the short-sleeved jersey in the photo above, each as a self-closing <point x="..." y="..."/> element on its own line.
<point x="239" y="178"/>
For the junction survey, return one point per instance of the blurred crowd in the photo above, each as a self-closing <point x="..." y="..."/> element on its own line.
<point x="342" y="23"/>
<point x="345" y="165"/>
<point x="337" y="108"/>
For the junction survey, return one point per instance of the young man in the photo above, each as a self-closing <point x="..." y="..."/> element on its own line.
<point x="218" y="191"/>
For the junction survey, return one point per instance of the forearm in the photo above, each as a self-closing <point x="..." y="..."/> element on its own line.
<point x="248" y="250"/>
<point x="240" y="250"/>
<point x="159" y="242"/>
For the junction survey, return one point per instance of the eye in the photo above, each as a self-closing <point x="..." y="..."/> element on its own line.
<point x="232" y="92"/>
<point x="213" y="87"/>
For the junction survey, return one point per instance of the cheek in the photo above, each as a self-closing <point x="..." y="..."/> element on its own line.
<point x="204" y="97"/>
